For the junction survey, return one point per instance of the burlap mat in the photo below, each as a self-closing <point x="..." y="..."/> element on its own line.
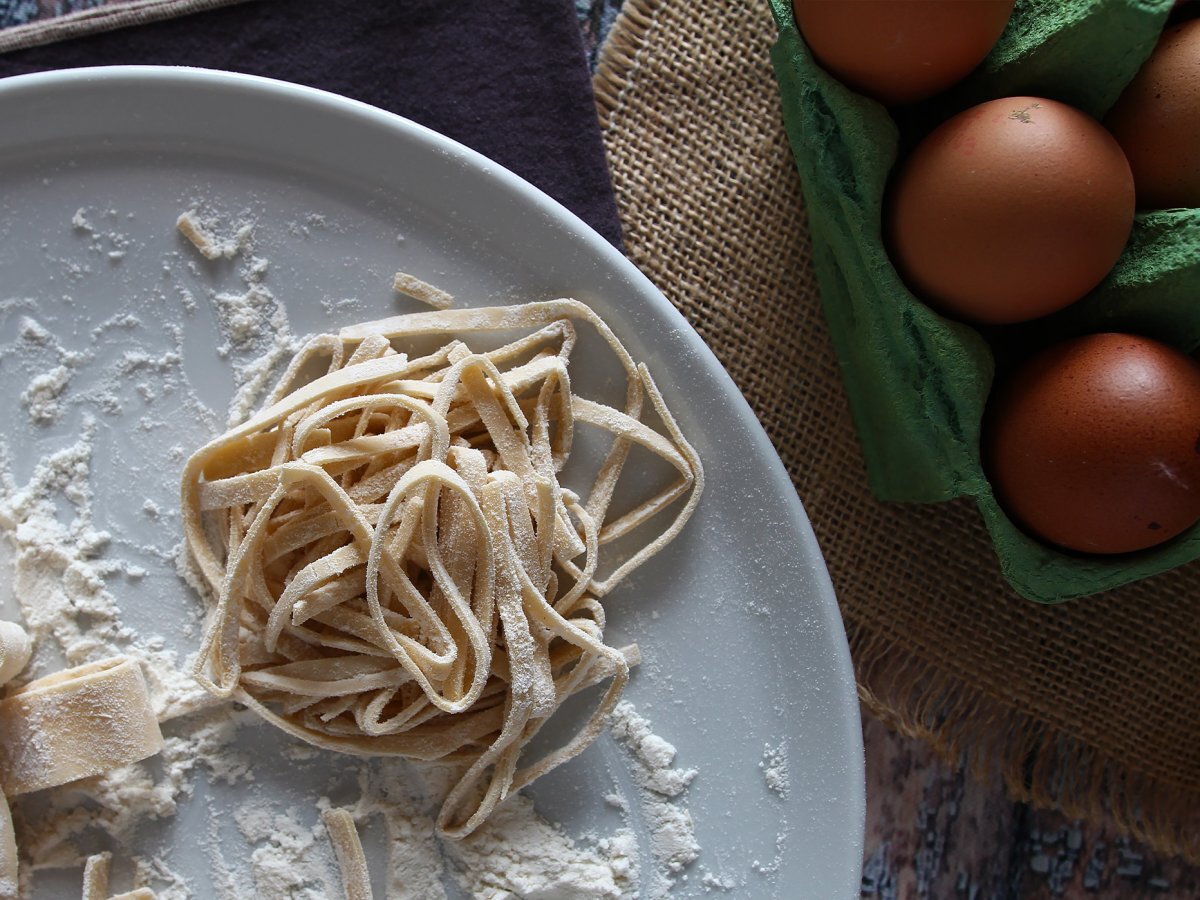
<point x="115" y="14"/>
<point x="1090" y="707"/>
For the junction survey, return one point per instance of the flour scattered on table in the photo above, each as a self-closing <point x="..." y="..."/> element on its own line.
<point x="102" y="240"/>
<point x="58" y="575"/>
<point x="711" y="881"/>
<point x="774" y="767"/>
<point x="341" y="307"/>
<point x="290" y="858"/>
<point x="517" y="854"/>
<point x="41" y="397"/>
<point x="250" y="321"/>
<point x="167" y="885"/>
<point x="776" y="863"/>
<point x="60" y="572"/>
<point x="672" y="831"/>
<point x="244" y="316"/>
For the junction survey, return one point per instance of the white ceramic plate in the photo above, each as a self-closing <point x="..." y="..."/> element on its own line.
<point x="737" y="620"/>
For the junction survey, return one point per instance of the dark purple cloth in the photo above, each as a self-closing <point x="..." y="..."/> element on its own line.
<point x="508" y="78"/>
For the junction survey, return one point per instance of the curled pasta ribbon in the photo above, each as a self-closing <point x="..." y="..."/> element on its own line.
<point x="15" y="649"/>
<point x="347" y="848"/>
<point x="74" y="724"/>
<point x="397" y="564"/>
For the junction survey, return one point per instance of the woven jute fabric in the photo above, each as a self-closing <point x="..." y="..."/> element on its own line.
<point x="1090" y="707"/>
<point x="118" y="14"/>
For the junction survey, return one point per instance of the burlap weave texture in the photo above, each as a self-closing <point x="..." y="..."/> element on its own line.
<point x="1090" y="707"/>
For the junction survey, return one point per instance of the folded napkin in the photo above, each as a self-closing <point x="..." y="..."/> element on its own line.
<point x="508" y="78"/>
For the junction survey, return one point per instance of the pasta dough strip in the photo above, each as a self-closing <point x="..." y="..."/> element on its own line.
<point x="347" y="848"/>
<point x="8" y="852"/>
<point x="74" y="724"/>
<point x="95" y="876"/>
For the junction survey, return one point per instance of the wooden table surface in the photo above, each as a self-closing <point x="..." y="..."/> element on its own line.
<point x="932" y="831"/>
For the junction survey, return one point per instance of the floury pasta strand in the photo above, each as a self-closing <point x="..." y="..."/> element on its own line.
<point x="66" y="726"/>
<point x="8" y="851"/>
<point x="74" y="724"/>
<point x="396" y="568"/>
<point x="347" y="849"/>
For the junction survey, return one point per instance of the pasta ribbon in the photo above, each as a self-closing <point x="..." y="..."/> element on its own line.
<point x="8" y="852"/>
<point x="74" y="724"/>
<point x="95" y="876"/>
<point x="347" y="849"/>
<point x="95" y="881"/>
<point x="403" y="562"/>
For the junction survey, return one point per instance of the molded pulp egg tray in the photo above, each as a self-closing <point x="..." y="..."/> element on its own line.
<point x="918" y="382"/>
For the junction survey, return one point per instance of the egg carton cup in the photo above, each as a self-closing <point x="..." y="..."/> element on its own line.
<point x="918" y="383"/>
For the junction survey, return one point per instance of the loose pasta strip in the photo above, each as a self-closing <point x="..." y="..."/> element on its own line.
<point x="15" y="648"/>
<point x="411" y="286"/>
<point x="192" y="227"/>
<point x="95" y="881"/>
<point x="8" y="852"/>
<point x="95" y="876"/>
<point x="356" y="881"/>
<point x="396" y="566"/>
<point x="75" y="724"/>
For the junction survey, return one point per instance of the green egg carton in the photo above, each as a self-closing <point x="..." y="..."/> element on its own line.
<point x="918" y="383"/>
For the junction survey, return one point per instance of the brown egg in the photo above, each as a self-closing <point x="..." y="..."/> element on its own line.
<point x="1010" y="210"/>
<point x="1157" y="121"/>
<point x="901" y="51"/>
<point x="1094" y="444"/>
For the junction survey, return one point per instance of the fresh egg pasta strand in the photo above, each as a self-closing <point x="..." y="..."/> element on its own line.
<point x="74" y="724"/>
<point x="430" y="470"/>
<point x="332" y="383"/>
<point x="219" y="650"/>
<point x="407" y="650"/>
<point x="95" y="876"/>
<point x="696" y="476"/>
<point x="9" y="863"/>
<point x="347" y="848"/>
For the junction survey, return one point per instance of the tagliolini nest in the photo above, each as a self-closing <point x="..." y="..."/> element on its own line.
<point x="397" y="569"/>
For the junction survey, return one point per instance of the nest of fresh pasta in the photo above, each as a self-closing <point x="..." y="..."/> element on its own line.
<point x="396" y="565"/>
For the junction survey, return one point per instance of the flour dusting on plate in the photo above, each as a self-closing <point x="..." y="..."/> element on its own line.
<point x="69" y="576"/>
